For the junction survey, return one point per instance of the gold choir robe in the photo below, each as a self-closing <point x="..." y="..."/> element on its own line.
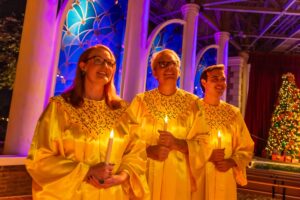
<point x="235" y="138"/>
<point x="170" y="179"/>
<point x="68" y="140"/>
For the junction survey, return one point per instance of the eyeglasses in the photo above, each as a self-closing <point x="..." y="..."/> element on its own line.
<point x="98" y="60"/>
<point x="165" y="64"/>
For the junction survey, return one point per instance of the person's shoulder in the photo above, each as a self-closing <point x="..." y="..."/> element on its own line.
<point x="58" y="98"/>
<point x="52" y="107"/>
<point x="199" y="102"/>
<point x="230" y="107"/>
<point x="60" y="103"/>
<point x="124" y="104"/>
<point x="142" y="95"/>
<point x="188" y="94"/>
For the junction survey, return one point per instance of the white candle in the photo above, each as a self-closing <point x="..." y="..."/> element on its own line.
<point x="109" y="146"/>
<point x="166" y="123"/>
<point x="219" y="139"/>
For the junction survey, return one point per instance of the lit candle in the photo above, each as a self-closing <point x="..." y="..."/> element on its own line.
<point x="219" y="139"/>
<point x="109" y="146"/>
<point x="166" y="123"/>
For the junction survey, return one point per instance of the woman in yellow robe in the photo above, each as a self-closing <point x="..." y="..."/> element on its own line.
<point x="221" y="159"/>
<point x="168" y="172"/>
<point x="67" y="158"/>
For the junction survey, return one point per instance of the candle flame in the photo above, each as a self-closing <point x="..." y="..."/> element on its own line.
<point x="111" y="133"/>
<point x="166" y="119"/>
<point x="219" y="133"/>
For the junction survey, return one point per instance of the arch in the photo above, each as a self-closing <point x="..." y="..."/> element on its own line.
<point x="157" y="30"/>
<point x="202" y="52"/>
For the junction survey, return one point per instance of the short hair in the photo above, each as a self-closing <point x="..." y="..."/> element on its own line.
<point x="209" y="69"/>
<point x="157" y="55"/>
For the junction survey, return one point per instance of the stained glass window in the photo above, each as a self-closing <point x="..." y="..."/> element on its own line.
<point x="90" y="22"/>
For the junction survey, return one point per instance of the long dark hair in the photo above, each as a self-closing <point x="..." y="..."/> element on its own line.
<point x="75" y="94"/>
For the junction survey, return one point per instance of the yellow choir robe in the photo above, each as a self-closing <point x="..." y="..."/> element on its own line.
<point x="170" y="179"/>
<point x="68" y="140"/>
<point x="235" y="138"/>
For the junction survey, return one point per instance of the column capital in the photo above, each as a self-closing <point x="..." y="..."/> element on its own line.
<point x="222" y="35"/>
<point x="190" y="8"/>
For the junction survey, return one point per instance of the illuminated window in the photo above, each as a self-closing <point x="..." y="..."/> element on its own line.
<point x="89" y="23"/>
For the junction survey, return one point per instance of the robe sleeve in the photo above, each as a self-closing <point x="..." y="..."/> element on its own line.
<point x="198" y="144"/>
<point x="243" y="147"/>
<point x="132" y="123"/>
<point x="134" y="158"/>
<point x="51" y="171"/>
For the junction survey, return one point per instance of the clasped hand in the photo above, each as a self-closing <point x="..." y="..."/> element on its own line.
<point x="100" y="176"/>
<point x="160" y="152"/>
<point x="221" y="164"/>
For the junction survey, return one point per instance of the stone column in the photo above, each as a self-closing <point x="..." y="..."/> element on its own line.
<point x="188" y="60"/>
<point x="238" y="81"/>
<point x="222" y="39"/>
<point x="134" y="72"/>
<point x="245" y="80"/>
<point x="34" y="76"/>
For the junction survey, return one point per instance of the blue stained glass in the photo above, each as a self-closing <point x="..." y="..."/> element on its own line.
<point x="209" y="58"/>
<point x="72" y="18"/>
<point x="98" y="8"/>
<point x="106" y="30"/>
<point x="115" y="17"/>
<point x="91" y="10"/>
<point x="119" y="26"/>
<point x="89" y="23"/>
<point x="74" y="29"/>
<point x="106" y="5"/>
<point x="105" y="22"/>
<point x="78" y="10"/>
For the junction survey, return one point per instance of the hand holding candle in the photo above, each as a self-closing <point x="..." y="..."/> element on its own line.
<point x="219" y="139"/>
<point x="166" y="123"/>
<point x="109" y="146"/>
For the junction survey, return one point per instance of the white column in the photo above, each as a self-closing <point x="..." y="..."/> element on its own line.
<point x="222" y="39"/>
<point x="33" y="84"/>
<point x="245" y="81"/>
<point x="188" y="60"/>
<point x="134" y="72"/>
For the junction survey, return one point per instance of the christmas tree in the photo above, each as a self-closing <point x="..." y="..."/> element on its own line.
<point x="285" y="124"/>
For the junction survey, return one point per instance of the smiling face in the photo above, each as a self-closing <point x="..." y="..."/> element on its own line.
<point x="215" y="83"/>
<point x="98" y="67"/>
<point x="166" y="68"/>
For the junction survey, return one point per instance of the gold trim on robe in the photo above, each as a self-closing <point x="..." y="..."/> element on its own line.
<point x="68" y="140"/>
<point x="170" y="179"/>
<point x="235" y="138"/>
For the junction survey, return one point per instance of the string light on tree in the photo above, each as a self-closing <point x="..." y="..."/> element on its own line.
<point x="284" y="133"/>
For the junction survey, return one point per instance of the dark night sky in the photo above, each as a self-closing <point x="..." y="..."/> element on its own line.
<point x="7" y="7"/>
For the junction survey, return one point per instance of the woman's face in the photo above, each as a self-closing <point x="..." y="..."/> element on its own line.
<point x="98" y="67"/>
<point x="166" y="70"/>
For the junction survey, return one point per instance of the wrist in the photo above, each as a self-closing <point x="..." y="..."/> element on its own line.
<point x="180" y="145"/>
<point x="232" y="162"/>
<point x="149" y="151"/>
<point x="124" y="175"/>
